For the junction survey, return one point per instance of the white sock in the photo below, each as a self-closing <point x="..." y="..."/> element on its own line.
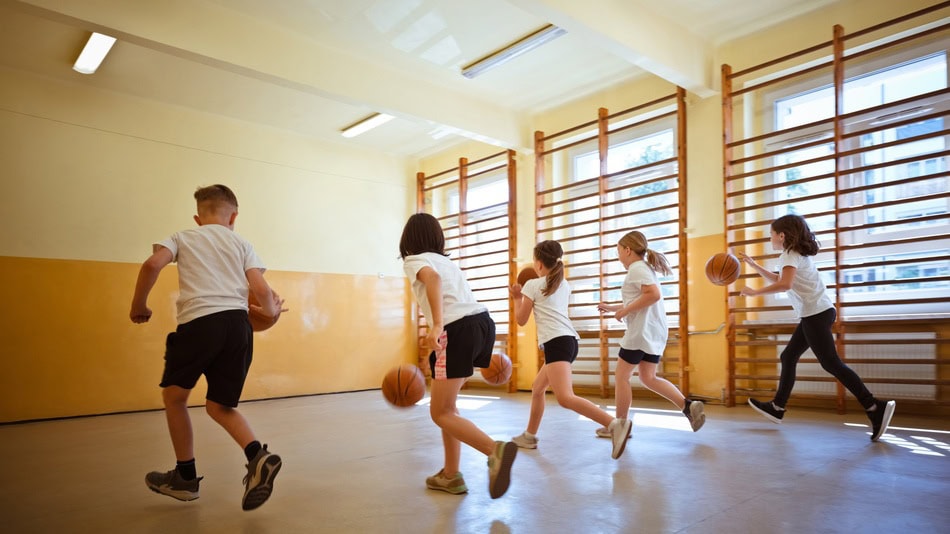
<point x="528" y="435"/>
<point x="777" y="407"/>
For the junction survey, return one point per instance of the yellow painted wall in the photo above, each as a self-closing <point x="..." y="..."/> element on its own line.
<point x="91" y="179"/>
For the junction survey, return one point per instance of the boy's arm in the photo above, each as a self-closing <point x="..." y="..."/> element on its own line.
<point x="148" y="274"/>
<point x="268" y="300"/>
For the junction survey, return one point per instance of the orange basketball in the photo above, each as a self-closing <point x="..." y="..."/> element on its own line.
<point x="722" y="269"/>
<point x="404" y="385"/>
<point x="259" y="321"/>
<point x="499" y="370"/>
<point x="528" y="273"/>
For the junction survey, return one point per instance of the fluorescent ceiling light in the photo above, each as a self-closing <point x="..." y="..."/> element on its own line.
<point x="366" y="124"/>
<point x="513" y="50"/>
<point x="94" y="52"/>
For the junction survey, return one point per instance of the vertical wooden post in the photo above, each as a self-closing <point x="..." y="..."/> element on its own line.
<point x="603" y="147"/>
<point x="512" y="343"/>
<point x="539" y="178"/>
<point x="683" y="242"/>
<point x="727" y="135"/>
<point x="838" y="67"/>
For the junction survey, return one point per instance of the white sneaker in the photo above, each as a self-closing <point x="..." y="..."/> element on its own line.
<point x="619" y="434"/>
<point x="695" y="415"/>
<point x="603" y="432"/>
<point x="525" y="442"/>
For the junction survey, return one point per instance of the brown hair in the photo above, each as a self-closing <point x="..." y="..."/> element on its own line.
<point x="214" y="197"/>
<point x="549" y="254"/>
<point x="422" y="233"/>
<point x="798" y="236"/>
<point x="637" y="242"/>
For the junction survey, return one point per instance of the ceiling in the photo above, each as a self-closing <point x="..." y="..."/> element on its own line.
<point x="315" y="66"/>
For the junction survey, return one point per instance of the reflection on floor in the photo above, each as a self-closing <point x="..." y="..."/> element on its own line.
<point x="353" y="464"/>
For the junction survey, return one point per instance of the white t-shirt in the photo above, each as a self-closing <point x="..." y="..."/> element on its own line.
<point x="808" y="294"/>
<point x="646" y="329"/>
<point x="212" y="260"/>
<point x="457" y="298"/>
<point x="550" y="312"/>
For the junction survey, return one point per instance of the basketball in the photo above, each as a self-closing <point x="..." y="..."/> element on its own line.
<point x="404" y="385"/>
<point x="722" y="269"/>
<point x="528" y="273"/>
<point x="259" y="321"/>
<point x="498" y="371"/>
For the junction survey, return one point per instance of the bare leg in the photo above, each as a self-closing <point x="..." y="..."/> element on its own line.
<point x="538" y="388"/>
<point x="559" y="375"/>
<point x="660" y="385"/>
<point x="179" y="422"/>
<point x="455" y="428"/>
<point x="232" y="421"/>
<point x="624" y="397"/>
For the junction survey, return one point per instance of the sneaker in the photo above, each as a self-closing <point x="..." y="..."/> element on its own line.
<point x="768" y="410"/>
<point x="525" y="442"/>
<point x="694" y="412"/>
<point x="619" y="434"/>
<point x="881" y="417"/>
<point x="455" y="485"/>
<point x="604" y="432"/>
<point x="173" y="485"/>
<point x="499" y="468"/>
<point x="259" y="481"/>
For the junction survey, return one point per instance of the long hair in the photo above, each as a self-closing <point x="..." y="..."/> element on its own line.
<point x="798" y="236"/>
<point x="637" y="242"/>
<point x="549" y="254"/>
<point x="422" y="233"/>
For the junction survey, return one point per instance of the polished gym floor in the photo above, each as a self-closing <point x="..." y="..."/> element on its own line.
<point x="353" y="464"/>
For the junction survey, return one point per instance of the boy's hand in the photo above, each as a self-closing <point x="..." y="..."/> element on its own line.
<point x="140" y="314"/>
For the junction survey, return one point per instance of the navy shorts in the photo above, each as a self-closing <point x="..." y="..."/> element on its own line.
<point x="465" y="344"/>
<point x="634" y="357"/>
<point x="560" y="349"/>
<point x="218" y="346"/>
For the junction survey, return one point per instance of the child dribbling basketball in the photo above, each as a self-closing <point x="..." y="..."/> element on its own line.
<point x="214" y="338"/>
<point x="549" y="296"/>
<point x="800" y="278"/>
<point x="645" y="337"/>
<point x="461" y="335"/>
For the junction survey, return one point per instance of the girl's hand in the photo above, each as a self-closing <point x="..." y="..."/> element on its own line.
<point x="603" y="307"/>
<point x="140" y="315"/>
<point x="515" y="290"/>
<point x="743" y="257"/>
<point x="748" y="292"/>
<point x="621" y="313"/>
<point x="432" y="338"/>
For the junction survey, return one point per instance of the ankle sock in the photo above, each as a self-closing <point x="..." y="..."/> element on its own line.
<point x="252" y="449"/>
<point x="187" y="469"/>
<point x="529" y="435"/>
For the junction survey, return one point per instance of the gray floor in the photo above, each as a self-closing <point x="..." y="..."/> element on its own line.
<point x="352" y="464"/>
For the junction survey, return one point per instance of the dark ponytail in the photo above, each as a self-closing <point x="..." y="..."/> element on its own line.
<point x="549" y="253"/>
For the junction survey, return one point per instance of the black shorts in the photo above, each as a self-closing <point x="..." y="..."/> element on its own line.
<point x="633" y="357"/>
<point x="466" y="344"/>
<point x="218" y="346"/>
<point x="560" y="349"/>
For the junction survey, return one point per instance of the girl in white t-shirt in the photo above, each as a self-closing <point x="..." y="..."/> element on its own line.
<point x="549" y="296"/>
<point x="799" y="277"/>
<point x="645" y="338"/>
<point x="461" y="335"/>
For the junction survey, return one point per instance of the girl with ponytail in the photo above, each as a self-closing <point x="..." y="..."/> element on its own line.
<point x="549" y="296"/>
<point x="646" y="334"/>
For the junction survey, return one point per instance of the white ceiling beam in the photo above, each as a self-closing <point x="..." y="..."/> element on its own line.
<point x="213" y="35"/>
<point x="629" y="31"/>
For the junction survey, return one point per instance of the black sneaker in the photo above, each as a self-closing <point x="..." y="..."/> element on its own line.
<point x="768" y="410"/>
<point x="171" y="484"/>
<point x="259" y="481"/>
<point x="881" y="417"/>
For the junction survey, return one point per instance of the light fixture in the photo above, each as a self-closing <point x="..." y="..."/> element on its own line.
<point x="513" y="50"/>
<point x="93" y="53"/>
<point x="366" y="124"/>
